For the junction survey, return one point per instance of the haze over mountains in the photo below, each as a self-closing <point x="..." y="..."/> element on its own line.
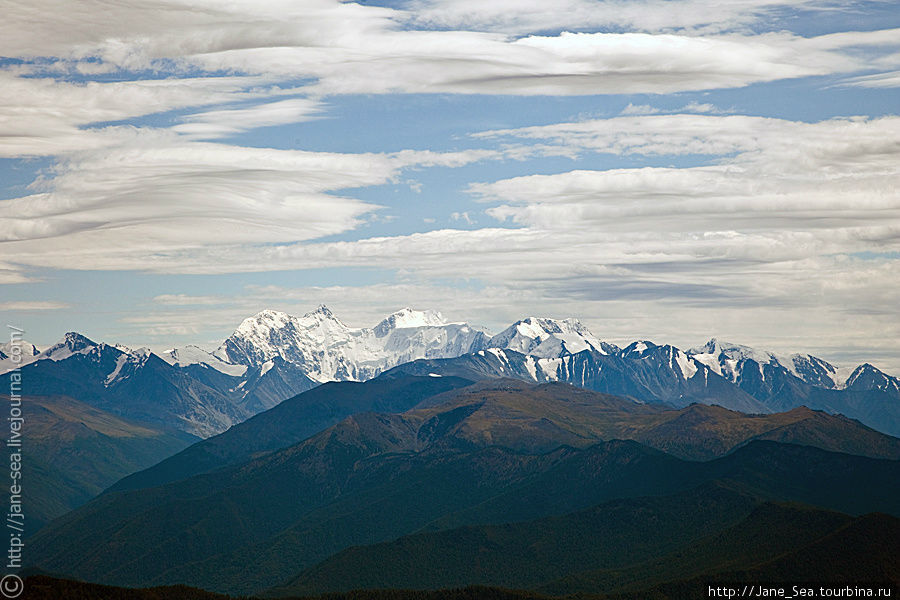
<point x="273" y="356"/>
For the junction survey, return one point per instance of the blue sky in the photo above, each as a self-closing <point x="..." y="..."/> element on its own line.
<point x="661" y="169"/>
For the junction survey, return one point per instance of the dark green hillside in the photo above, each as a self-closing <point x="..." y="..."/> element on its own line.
<point x="864" y="551"/>
<point x="42" y="587"/>
<point x="240" y="529"/>
<point x="628" y="545"/>
<point x="769" y="532"/>
<point x="525" y="555"/>
<point x="867" y="549"/>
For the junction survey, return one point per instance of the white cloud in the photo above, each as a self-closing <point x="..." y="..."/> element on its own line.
<point x="890" y="79"/>
<point x="780" y="230"/>
<point x="640" y="109"/>
<point x="349" y="48"/>
<point x="774" y="218"/>
<point x="33" y="305"/>
<point x="564" y="64"/>
<point x="462" y="216"/>
<point x="784" y="143"/>
<point x="11" y="274"/>
<point x="188" y="300"/>
<point x="793" y="191"/>
<point x="691" y="107"/>
<point x="225" y="122"/>
<point x="44" y="117"/>
<point x="515" y="16"/>
<point x="132" y="34"/>
<point x="798" y="189"/>
<point x="160" y="195"/>
<point x="346" y="48"/>
<point x="161" y="200"/>
<point x="697" y="107"/>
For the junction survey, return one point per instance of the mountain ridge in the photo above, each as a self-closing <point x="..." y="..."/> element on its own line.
<point x="273" y="356"/>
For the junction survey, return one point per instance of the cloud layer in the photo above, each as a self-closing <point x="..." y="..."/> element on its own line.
<point x="140" y="106"/>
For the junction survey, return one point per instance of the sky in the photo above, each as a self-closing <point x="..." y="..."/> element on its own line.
<point x="667" y="170"/>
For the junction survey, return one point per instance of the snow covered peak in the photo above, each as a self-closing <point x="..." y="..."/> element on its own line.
<point x="272" y="333"/>
<point x="128" y="362"/>
<point x="638" y="349"/>
<point x="72" y="343"/>
<point x="194" y="355"/>
<point x="75" y="341"/>
<point x="718" y="348"/>
<point x="322" y="310"/>
<point x="14" y="355"/>
<point x="408" y="317"/>
<point x="24" y="349"/>
<point x="728" y="360"/>
<point x="263" y="320"/>
<point x="325" y="349"/>
<point x="548" y="338"/>
<point x="815" y="371"/>
<point x="75" y="344"/>
<point x="675" y="359"/>
<point x="868" y="377"/>
<point x="713" y="346"/>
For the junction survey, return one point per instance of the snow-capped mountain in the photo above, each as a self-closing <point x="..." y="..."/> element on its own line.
<point x="326" y="349"/>
<point x="195" y="355"/>
<point x="643" y="371"/>
<point x="136" y="384"/>
<point x="866" y="378"/>
<point x="733" y="376"/>
<point x="72" y="343"/>
<point x="272" y="356"/>
<point x="406" y="318"/>
<point x="669" y="357"/>
<point x="732" y="361"/>
<point x="549" y="338"/>
<point x="26" y="353"/>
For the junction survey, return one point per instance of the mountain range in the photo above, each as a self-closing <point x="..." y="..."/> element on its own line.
<point x="273" y="356"/>
<point x="306" y="457"/>
<point x="494" y="452"/>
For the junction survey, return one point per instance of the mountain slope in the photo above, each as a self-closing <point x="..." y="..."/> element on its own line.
<point x="666" y="375"/>
<point x="711" y="529"/>
<point x="73" y="451"/>
<point x="863" y="552"/>
<point x="272" y="356"/>
<point x="526" y="555"/>
<point x="516" y="415"/>
<point x="290" y="422"/>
